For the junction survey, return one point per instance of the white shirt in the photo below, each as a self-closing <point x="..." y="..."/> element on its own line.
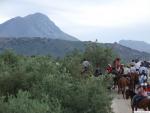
<point x="126" y="70"/>
<point x="132" y="69"/>
<point x="137" y="65"/>
<point x="142" y="78"/>
<point x="143" y="69"/>
<point x="86" y="63"/>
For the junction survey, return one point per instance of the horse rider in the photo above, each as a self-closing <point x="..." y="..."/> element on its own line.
<point x="98" y="71"/>
<point x="143" y="78"/>
<point x="116" y="66"/>
<point x="115" y="70"/>
<point x="121" y="71"/>
<point x="126" y="70"/>
<point x="85" y="65"/>
<point x="141" y="94"/>
<point x="132" y="68"/>
<point x="143" y="69"/>
<point x="137" y="65"/>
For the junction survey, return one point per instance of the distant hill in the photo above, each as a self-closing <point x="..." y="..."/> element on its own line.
<point x="59" y="48"/>
<point x="127" y="53"/>
<point x="137" y="45"/>
<point x="34" y="25"/>
<point x="40" y="46"/>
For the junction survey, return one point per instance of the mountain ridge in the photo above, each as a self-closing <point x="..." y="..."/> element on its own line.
<point x="59" y="48"/>
<point x="137" y="45"/>
<point x="33" y="25"/>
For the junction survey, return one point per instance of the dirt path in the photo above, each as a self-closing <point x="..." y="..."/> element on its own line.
<point x="120" y="105"/>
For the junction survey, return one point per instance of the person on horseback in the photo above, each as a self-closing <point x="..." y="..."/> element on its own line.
<point x="85" y="65"/>
<point x="141" y="94"/>
<point x="126" y="70"/>
<point x="142" y="78"/>
<point x="116" y="66"/>
<point x="137" y="65"/>
<point x="97" y="71"/>
<point x="143" y="69"/>
<point x="115" y="70"/>
<point x="121" y="71"/>
<point x="132" y="68"/>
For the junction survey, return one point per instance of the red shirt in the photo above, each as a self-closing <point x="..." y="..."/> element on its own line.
<point x="109" y="69"/>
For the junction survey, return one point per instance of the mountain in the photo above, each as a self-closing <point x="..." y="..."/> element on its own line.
<point x="137" y="45"/>
<point x="59" y="48"/>
<point x="127" y="53"/>
<point x="34" y="25"/>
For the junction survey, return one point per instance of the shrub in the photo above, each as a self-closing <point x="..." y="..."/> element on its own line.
<point x="24" y="104"/>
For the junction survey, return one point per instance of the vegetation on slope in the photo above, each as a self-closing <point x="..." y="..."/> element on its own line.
<point x="42" y="84"/>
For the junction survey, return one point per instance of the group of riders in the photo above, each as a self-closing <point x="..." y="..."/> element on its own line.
<point x="141" y="88"/>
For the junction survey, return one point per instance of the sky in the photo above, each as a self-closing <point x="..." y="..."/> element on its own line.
<point x="105" y="20"/>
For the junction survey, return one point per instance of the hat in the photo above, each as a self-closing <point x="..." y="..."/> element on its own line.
<point x="132" y="64"/>
<point x="109" y="64"/>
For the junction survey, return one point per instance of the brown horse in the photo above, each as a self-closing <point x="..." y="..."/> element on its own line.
<point x="123" y="83"/>
<point x="134" y="80"/>
<point x="143" y="104"/>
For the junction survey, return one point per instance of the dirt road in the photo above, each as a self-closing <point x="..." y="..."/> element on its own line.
<point x="120" y="105"/>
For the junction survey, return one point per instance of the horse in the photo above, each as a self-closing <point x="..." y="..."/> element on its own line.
<point x="143" y="104"/>
<point x="116" y="77"/>
<point x="134" y="80"/>
<point x="123" y="83"/>
<point x="130" y="94"/>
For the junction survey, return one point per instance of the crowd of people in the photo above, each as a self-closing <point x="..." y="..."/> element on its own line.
<point x="86" y="67"/>
<point x="125" y="70"/>
<point x="141" y="68"/>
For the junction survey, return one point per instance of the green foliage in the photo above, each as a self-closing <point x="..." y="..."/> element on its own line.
<point x="9" y="58"/>
<point x="24" y="104"/>
<point x="97" y="54"/>
<point x="41" y="84"/>
<point x="75" y="96"/>
<point x="72" y="63"/>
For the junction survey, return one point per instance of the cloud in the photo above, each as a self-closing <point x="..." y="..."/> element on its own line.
<point x="115" y="14"/>
<point x="87" y="19"/>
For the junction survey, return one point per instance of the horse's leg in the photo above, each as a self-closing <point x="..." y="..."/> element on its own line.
<point x="119" y="89"/>
<point x="123" y="93"/>
<point x="136" y="108"/>
<point x="149" y="107"/>
<point x="145" y="109"/>
<point x="132" y="108"/>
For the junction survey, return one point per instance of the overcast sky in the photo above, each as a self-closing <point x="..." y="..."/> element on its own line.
<point x="105" y="20"/>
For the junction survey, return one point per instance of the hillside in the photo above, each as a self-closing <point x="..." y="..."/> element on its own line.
<point x="34" y="25"/>
<point x="59" y="48"/>
<point x="40" y="46"/>
<point x="127" y="53"/>
<point x="138" y="45"/>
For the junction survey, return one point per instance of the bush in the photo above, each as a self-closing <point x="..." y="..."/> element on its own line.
<point x="24" y="104"/>
<point x="75" y="96"/>
<point x="51" y="86"/>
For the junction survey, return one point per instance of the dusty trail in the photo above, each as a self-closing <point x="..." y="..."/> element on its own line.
<point x="120" y="105"/>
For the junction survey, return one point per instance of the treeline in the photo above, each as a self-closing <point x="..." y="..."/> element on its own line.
<point x="42" y="84"/>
